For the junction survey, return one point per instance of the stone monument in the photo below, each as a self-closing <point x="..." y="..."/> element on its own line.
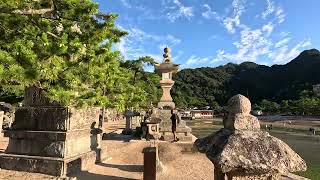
<point x="166" y="69"/>
<point x="49" y="138"/>
<point x="241" y="150"/>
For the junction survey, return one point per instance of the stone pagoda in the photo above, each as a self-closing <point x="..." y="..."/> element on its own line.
<point x="163" y="113"/>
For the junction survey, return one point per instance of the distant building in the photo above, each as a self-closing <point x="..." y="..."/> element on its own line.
<point x="201" y="114"/>
<point x="196" y="114"/>
<point x="256" y="112"/>
<point x="316" y="90"/>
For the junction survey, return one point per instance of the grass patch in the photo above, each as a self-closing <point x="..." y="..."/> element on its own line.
<point x="313" y="172"/>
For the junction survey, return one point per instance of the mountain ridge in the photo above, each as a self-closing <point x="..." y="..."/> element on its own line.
<point x="206" y="85"/>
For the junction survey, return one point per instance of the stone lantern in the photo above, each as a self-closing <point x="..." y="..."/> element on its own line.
<point x="166" y="69"/>
<point x="241" y="150"/>
<point x="163" y="113"/>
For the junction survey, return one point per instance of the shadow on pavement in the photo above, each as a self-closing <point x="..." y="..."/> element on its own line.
<point x="129" y="167"/>
<point x="84" y="175"/>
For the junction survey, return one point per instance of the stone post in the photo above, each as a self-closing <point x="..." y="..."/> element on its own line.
<point x="149" y="163"/>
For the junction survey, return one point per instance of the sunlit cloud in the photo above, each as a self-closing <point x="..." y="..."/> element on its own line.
<point x="178" y="10"/>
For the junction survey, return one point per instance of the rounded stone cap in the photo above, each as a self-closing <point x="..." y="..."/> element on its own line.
<point x="239" y="104"/>
<point x="167" y="50"/>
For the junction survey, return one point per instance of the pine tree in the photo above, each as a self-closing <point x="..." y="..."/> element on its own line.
<point x="145" y="85"/>
<point x="66" y="47"/>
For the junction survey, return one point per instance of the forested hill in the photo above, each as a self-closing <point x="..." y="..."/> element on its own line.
<point x="206" y="86"/>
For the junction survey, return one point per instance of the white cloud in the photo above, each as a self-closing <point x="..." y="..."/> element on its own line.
<point x="280" y="16"/>
<point x="282" y="42"/>
<point x="275" y="11"/>
<point x="197" y="60"/>
<point x="270" y="9"/>
<point x="264" y="63"/>
<point x="178" y="11"/>
<point x="134" y="45"/>
<point x="231" y="21"/>
<point x="252" y="44"/>
<point x="284" y="54"/>
<point x="209" y="14"/>
<point x="125" y="3"/>
<point x="268" y="28"/>
<point x="255" y="43"/>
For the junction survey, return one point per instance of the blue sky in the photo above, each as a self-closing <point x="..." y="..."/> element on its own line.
<point x="215" y="32"/>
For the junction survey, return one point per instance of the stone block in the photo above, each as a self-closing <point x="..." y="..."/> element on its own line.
<point x="48" y="143"/>
<point x="47" y="165"/>
<point x="54" y="118"/>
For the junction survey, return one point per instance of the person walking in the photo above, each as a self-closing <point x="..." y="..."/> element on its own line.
<point x="174" y="120"/>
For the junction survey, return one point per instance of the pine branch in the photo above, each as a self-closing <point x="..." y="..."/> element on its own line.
<point x="33" y="11"/>
<point x="27" y="12"/>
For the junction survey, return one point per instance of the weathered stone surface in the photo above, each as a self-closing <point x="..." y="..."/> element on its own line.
<point x="48" y="144"/>
<point x="241" y="121"/>
<point x="34" y="96"/>
<point x="48" y="165"/>
<point x="250" y="152"/>
<point x="8" y="114"/>
<point x="41" y="118"/>
<point x="239" y="104"/>
<point x="32" y="164"/>
<point x="183" y="132"/>
<point x="48" y="138"/>
<point x="242" y="151"/>
<point x="166" y="69"/>
<point x="54" y="118"/>
<point x="1" y="120"/>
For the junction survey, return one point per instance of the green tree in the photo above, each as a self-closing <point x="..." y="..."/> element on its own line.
<point x="284" y="106"/>
<point x="269" y="106"/>
<point x="65" y="46"/>
<point x="145" y="85"/>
